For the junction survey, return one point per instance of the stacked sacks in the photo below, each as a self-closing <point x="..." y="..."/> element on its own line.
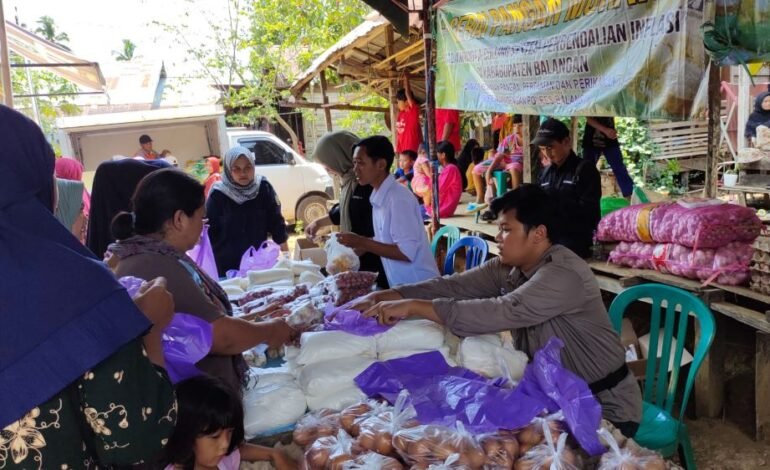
<point x="707" y="240"/>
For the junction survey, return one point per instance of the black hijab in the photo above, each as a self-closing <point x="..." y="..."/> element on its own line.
<point x="759" y="117"/>
<point x="114" y="184"/>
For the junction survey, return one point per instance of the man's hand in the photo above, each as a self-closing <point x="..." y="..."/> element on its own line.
<point x="156" y="302"/>
<point x="356" y="242"/>
<point x="391" y="312"/>
<point x="311" y="229"/>
<point x="609" y="132"/>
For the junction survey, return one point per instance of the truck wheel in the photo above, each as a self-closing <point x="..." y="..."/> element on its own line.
<point x="311" y="208"/>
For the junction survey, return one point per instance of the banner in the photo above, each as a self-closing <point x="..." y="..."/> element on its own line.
<point x="633" y="58"/>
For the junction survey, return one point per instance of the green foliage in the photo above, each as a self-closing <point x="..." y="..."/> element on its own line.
<point x="199" y="170"/>
<point x="47" y="29"/>
<point x="127" y="53"/>
<point x="365" y="123"/>
<point x="255" y="54"/>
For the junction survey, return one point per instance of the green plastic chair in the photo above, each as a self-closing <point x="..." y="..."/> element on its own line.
<point x="451" y="233"/>
<point x="501" y="180"/>
<point x="659" y="429"/>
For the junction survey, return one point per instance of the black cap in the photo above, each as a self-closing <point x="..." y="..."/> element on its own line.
<point x="551" y="130"/>
<point x="145" y="139"/>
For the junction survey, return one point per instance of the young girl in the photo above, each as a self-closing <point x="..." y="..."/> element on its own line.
<point x="422" y="172"/>
<point x="209" y="430"/>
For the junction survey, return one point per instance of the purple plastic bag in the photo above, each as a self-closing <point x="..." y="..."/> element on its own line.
<point x="351" y="321"/>
<point x="257" y="259"/>
<point x="186" y="340"/>
<point x="203" y="254"/>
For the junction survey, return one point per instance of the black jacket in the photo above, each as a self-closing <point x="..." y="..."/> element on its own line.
<point x="361" y="221"/>
<point x="577" y="185"/>
<point x="236" y="227"/>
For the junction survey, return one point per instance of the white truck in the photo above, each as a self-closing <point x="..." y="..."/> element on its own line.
<point x="193" y="133"/>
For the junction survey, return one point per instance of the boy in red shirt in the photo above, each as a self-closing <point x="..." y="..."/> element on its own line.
<point x="408" y="134"/>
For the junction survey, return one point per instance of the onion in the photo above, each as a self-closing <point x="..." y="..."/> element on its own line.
<point x="384" y="443"/>
<point x="317" y="458"/>
<point x="337" y="461"/>
<point x="367" y="441"/>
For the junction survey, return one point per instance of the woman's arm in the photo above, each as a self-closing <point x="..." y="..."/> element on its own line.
<point x="233" y="336"/>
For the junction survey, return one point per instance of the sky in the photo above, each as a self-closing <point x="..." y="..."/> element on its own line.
<point x="97" y="27"/>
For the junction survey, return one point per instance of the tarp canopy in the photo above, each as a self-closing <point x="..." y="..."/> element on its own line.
<point x="65" y="64"/>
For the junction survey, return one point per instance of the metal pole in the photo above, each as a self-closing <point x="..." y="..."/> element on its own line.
<point x="5" y="65"/>
<point x="430" y="108"/>
<point x="33" y="91"/>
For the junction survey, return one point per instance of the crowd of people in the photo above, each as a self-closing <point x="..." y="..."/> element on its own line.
<point x="82" y="374"/>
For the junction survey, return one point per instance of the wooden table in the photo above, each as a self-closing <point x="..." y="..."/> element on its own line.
<point x="727" y="301"/>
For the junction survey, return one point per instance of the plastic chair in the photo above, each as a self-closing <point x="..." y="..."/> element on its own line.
<point x="501" y="180"/>
<point x="659" y="429"/>
<point x="476" y="250"/>
<point x="451" y="233"/>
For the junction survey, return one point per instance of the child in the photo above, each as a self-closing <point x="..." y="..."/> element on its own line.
<point x="209" y="430"/>
<point x="405" y="171"/>
<point x="477" y="156"/>
<point x="422" y="171"/>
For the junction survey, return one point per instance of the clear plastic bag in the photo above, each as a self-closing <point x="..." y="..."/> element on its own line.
<point x="331" y="452"/>
<point x="627" y="458"/>
<point x="428" y="445"/>
<point x="316" y="424"/>
<point x="377" y="431"/>
<point x="533" y="434"/>
<point x="352" y="416"/>
<point x="373" y="461"/>
<point x="339" y="257"/>
<point x="500" y="448"/>
<point x="551" y="455"/>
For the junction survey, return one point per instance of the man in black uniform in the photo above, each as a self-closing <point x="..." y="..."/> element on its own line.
<point x="574" y="181"/>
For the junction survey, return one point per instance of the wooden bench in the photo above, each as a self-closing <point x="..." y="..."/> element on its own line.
<point x="686" y="141"/>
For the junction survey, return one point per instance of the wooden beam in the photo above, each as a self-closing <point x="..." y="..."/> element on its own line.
<point x="392" y="83"/>
<point x="762" y="387"/>
<point x="574" y="133"/>
<point x="325" y="99"/>
<point x="530" y="125"/>
<point x="338" y="106"/>
<point x="714" y="110"/>
<point x="710" y="381"/>
<point x="5" y="62"/>
<point x="371" y="56"/>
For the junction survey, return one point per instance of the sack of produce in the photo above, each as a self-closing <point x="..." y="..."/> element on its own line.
<point x="727" y="265"/>
<point x="279" y="297"/>
<point x="326" y="377"/>
<point x="489" y="356"/>
<point x="352" y="416"/>
<point x="303" y="314"/>
<point x="411" y="335"/>
<point x="337" y="400"/>
<point x="628" y="458"/>
<point x="339" y="257"/>
<point x="551" y="454"/>
<point x="317" y="346"/>
<point x="692" y="223"/>
<point x="423" y="446"/>
<point x="346" y="286"/>
<point x="332" y="452"/>
<point x="373" y="461"/>
<point x="318" y="423"/>
<point x="272" y="406"/>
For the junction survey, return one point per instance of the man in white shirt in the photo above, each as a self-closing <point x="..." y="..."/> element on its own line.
<point x="399" y="234"/>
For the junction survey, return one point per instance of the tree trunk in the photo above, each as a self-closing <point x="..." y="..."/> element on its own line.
<point x="294" y="138"/>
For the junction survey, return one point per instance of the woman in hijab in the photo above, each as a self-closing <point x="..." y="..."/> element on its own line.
<point x="81" y="364"/>
<point x="74" y="200"/>
<point x="760" y="116"/>
<point x="353" y="213"/>
<point x="114" y="184"/>
<point x="243" y="210"/>
<point x="213" y="165"/>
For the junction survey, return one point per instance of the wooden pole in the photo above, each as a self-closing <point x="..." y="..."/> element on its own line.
<point x="392" y="84"/>
<point x="325" y="99"/>
<point x="530" y="125"/>
<point x="430" y="107"/>
<point x="574" y="133"/>
<point x="714" y="111"/>
<point x="5" y="63"/>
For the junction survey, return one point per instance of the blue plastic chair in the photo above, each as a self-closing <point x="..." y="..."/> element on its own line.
<point x="659" y="429"/>
<point x="476" y="250"/>
<point x="451" y="233"/>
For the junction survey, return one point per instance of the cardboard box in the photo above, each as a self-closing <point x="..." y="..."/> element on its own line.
<point x="305" y="249"/>
<point x="630" y="342"/>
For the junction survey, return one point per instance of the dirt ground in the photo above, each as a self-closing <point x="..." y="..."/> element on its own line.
<point x="722" y="446"/>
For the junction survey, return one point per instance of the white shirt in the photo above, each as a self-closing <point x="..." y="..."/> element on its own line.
<point x="398" y="221"/>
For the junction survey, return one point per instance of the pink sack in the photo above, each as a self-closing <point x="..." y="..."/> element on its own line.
<point x="203" y="254"/>
<point x="692" y="223"/>
<point x="728" y="265"/>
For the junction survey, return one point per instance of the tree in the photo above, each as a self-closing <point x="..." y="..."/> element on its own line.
<point x="47" y="29"/>
<point x="256" y="51"/>
<point x="128" y="52"/>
